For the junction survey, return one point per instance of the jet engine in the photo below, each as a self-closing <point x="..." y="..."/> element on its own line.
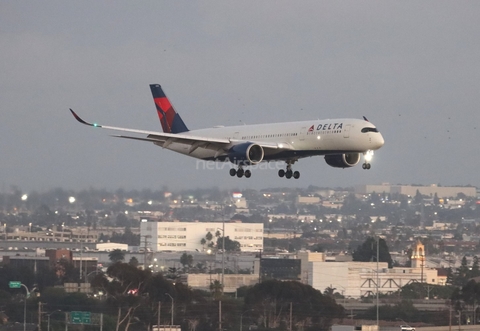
<point x="246" y="153"/>
<point x="343" y="160"/>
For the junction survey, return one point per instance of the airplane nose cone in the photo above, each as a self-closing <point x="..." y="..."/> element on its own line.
<point x="379" y="141"/>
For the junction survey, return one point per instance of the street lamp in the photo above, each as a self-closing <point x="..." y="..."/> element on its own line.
<point x="343" y="291"/>
<point x="378" y="280"/>
<point x="223" y="255"/>
<point x="171" y="318"/>
<point x="48" y="319"/>
<point x="27" y="295"/>
<point x="241" y="318"/>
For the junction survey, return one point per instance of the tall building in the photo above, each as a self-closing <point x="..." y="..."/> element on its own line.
<point x="188" y="236"/>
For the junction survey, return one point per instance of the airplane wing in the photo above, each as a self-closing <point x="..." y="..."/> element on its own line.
<point x="165" y="139"/>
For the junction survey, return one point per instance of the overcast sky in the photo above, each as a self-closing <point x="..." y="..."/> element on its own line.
<point x="411" y="67"/>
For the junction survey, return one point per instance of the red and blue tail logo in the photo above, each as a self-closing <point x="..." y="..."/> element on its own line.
<point x="170" y="120"/>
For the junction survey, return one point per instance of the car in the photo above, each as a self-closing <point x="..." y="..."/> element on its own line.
<point x="406" y="328"/>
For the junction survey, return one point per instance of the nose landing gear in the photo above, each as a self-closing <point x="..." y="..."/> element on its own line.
<point x="367" y="156"/>
<point x="366" y="166"/>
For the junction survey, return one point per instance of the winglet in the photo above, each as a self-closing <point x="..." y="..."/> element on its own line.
<point x="78" y="118"/>
<point x="365" y="119"/>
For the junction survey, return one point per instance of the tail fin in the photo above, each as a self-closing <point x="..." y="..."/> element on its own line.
<point x="170" y="120"/>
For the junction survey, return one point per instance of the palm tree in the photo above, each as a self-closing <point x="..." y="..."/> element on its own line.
<point x="216" y="288"/>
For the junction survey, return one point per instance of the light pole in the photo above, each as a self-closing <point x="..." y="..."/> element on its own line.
<point x="343" y="291"/>
<point x="171" y="318"/>
<point x="241" y="318"/>
<point x="48" y="319"/>
<point x="27" y="295"/>
<point x="223" y="255"/>
<point x="378" y="241"/>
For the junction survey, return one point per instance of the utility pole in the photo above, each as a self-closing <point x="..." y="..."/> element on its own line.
<point x="219" y="315"/>
<point x="223" y="250"/>
<point x="378" y="250"/>
<point x="39" y="315"/>
<point x="145" y="244"/>
<point x="158" y="315"/>
<point x="290" y="317"/>
<point x="450" y="317"/>
<point x="173" y="305"/>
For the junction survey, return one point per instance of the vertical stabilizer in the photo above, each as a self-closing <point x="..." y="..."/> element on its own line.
<point x="170" y="120"/>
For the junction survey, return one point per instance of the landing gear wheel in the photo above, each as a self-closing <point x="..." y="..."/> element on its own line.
<point x="366" y="166"/>
<point x="296" y="175"/>
<point x="240" y="173"/>
<point x="288" y="174"/>
<point x="248" y="173"/>
<point x="233" y="172"/>
<point x="281" y="173"/>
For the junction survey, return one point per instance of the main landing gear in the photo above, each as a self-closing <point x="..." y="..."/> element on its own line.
<point x="240" y="172"/>
<point x="366" y="166"/>
<point x="289" y="173"/>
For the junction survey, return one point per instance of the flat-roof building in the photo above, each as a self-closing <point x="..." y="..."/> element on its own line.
<point x="187" y="236"/>
<point x="411" y="190"/>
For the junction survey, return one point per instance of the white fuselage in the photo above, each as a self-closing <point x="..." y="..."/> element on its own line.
<point x="302" y="139"/>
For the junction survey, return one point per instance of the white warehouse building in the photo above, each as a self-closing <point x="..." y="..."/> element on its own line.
<point x="359" y="279"/>
<point x="187" y="236"/>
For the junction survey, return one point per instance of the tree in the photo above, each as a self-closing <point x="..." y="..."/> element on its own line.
<point x="209" y="236"/>
<point x="216" y="289"/>
<point x="416" y="290"/>
<point x="461" y="275"/>
<point x="475" y="271"/>
<point x="133" y="262"/>
<point x="367" y="252"/>
<point x="418" y="197"/>
<point x="404" y="310"/>
<point x="186" y="260"/>
<point x="311" y="310"/>
<point x="318" y="248"/>
<point x="125" y="290"/>
<point x="117" y="255"/>
<point x="230" y="245"/>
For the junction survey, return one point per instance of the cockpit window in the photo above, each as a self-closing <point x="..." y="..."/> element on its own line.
<point x="369" y="130"/>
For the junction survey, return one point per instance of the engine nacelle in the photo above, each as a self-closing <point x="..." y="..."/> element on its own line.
<point x="343" y="160"/>
<point x="246" y="153"/>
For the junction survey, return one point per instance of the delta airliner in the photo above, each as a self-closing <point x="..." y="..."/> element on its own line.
<point x="342" y="141"/>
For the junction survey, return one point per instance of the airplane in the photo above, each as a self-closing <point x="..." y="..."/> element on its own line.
<point x="340" y="141"/>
